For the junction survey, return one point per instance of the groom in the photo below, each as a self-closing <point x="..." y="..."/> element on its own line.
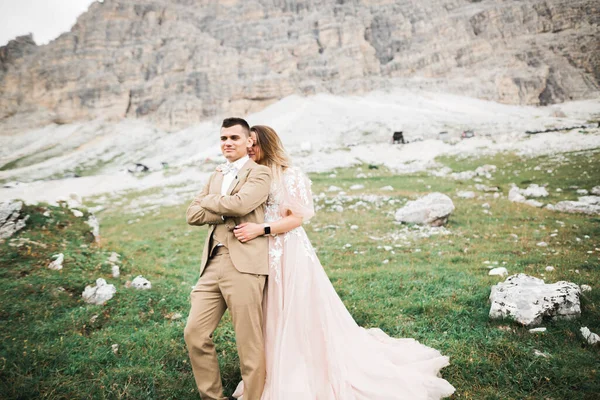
<point x="232" y="273"/>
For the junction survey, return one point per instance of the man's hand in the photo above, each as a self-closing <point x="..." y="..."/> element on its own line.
<point x="248" y="231"/>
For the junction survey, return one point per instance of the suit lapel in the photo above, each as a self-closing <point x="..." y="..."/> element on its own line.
<point x="217" y="182"/>
<point x="242" y="173"/>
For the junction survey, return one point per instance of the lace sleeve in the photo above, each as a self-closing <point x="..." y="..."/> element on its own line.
<point x="297" y="197"/>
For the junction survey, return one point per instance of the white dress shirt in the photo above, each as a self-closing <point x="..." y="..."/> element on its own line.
<point x="230" y="176"/>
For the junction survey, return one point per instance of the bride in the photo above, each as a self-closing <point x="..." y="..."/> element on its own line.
<point x="314" y="349"/>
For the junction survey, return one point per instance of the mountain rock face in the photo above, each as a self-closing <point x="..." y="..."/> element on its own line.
<point x="177" y="62"/>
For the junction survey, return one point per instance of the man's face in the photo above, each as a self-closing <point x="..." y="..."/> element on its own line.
<point x="234" y="143"/>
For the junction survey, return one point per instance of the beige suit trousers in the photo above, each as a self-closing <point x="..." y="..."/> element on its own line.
<point x="222" y="286"/>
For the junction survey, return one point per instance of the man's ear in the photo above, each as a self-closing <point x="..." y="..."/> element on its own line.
<point x="250" y="142"/>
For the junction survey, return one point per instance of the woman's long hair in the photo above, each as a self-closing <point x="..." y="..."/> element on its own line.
<point x="272" y="151"/>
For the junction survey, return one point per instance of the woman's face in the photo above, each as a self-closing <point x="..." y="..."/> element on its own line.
<point x="254" y="152"/>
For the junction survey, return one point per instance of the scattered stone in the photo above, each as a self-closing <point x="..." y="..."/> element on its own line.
<point x="535" y="190"/>
<point x="387" y="188"/>
<point x="487" y="189"/>
<point x="56" y="265"/>
<point x="549" y="268"/>
<point x="527" y="300"/>
<point x="357" y="187"/>
<point x="77" y="213"/>
<point x="596" y="190"/>
<point x="533" y="203"/>
<point x="361" y="175"/>
<point x="115" y="348"/>
<point x="386" y="261"/>
<point x="541" y="354"/>
<point x="338" y="208"/>
<point x="139" y="282"/>
<point x="577" y="207"/>
<point x="100" y="293"/>
<point x="590" y="336"/>
<point x="333" y="188"/>
<point x="333" y="175"/>
<point x="116" y="272"/>
<point x="114" y="258"/>
<point x="536" y="330"/>
<point x="485" y="205"/>
<point x="500" y="271"/>
<point x="589" y="199"/>
<point x="542" y="244"/>
<point x="433" y="209"/>
<point x="585" y="288"/>
<point x="582" y="191"/>
<point x="10" y="218"/>
<point x="173" y="316"/>
<point x="466" y="195"/>
<point x="93" y="223"/>
<point x="347" y="245"/>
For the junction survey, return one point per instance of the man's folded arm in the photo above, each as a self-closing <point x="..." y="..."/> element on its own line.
<point x="252" y="194"/>
<point x="198" y="215"/>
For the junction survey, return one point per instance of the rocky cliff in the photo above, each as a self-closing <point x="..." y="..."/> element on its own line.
<point x="176" y="62"/>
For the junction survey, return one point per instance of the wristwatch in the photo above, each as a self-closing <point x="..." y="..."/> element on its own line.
<point x="267" y="229"/>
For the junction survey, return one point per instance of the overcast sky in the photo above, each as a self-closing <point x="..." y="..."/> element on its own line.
<point x="46" y="19"/>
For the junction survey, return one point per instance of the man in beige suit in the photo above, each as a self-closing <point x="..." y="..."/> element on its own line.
<point x="232" y="273"/>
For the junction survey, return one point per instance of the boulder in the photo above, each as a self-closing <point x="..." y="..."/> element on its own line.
<point x="433" y="209"/>
<point x="527" y="300"/>
<point x="100" y="293"/>
<point x="141" y="283"/>
<point x="577" y="207"/>
<point x="590" y="336"/>
<point x="57" y="263"/>
<point x="10" y="218"/>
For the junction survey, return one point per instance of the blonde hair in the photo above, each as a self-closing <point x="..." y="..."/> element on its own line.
<point x="272" y="151"/>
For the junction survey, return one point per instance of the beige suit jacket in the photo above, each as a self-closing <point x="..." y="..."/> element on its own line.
<point x="244" y="202"/>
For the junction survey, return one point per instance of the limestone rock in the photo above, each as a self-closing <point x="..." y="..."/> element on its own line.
<point x="175" y="63"/>
<point x="139" y="282"/>
<point x="10" y="218"/>
<point x="577" y="207"/>
<point x="527" y="300"/>
<point x="433" y="209"/>
<point x="466" y="194"/>
<point x="500" y="271"/>
<point x="590" y="336"/>
<point x="100" y="293"/>
<point x="56" y="264"/>
<point x="93" y="223"/>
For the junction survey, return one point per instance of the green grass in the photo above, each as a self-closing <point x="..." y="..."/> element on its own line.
<point x="54" y="346"/>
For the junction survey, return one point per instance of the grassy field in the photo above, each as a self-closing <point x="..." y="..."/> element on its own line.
<point x="433" y="287"/>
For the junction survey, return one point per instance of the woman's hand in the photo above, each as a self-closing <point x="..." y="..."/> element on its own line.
<point x="248" y="231"/>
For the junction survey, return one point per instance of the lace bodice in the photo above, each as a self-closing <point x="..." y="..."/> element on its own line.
<point x="289" y="194"/>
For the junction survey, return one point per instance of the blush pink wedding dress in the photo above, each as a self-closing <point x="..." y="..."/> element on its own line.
<point x="314" y="348"/>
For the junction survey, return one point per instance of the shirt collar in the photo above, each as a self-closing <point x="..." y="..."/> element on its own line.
<point x="239" y="163"/>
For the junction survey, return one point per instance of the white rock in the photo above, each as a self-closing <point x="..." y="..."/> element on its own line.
<point x="93" y="223"/>
<point x="57" y="263"/>
<point x="577" y="207"/>
<point x="540" y="354"/>
<point x="466" y="195"/>
<point x="535" y="330"/>
<point x="582" y="191"/>
<point x="558" y="190"/>
<point x="500" y="271"/>
<point x="114" y="258"/>
<point x="139" y="282"/>
<point x="354" y="227"/>
<point x="338" y="208"/>
<point x="596" y="190"/>
<point x="10" y="218"/>
<point x="387" y="188"/>
<point x="332" y="175"/>
<point x="385" y="261"/>
<point x="487" y="189"/>
<point x="77" y="213"/>
<point x="533" y="203"/>
<point x="527" y="300"/>
<point x="534" y="190"/>
<point x="100" y="293"/>
<point x="590" y="336"/>
<point x="333" y="188"/>
<point x="433" y="209"/>
<point x="542" y="244"/>
<point x="514" y="195"/>
<point x="357" y="187"/>
<point x="361" y="175"/>
<point x="585" y="288"/>
<point x="485" y="205"/>
<point x="589" y="199"/>
<point x="115" y="271"/>
<point x="388" y="248"/>
<point x="115" y="348"/>
<point x="549" y="268"/>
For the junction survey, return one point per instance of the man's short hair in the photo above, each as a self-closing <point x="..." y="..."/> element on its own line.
<point x="229" y="122"/>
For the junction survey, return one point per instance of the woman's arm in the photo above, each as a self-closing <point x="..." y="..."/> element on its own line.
<point x="249" y="230"/>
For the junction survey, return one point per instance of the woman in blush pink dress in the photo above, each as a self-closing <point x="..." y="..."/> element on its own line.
<point x="314" y="348"/>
